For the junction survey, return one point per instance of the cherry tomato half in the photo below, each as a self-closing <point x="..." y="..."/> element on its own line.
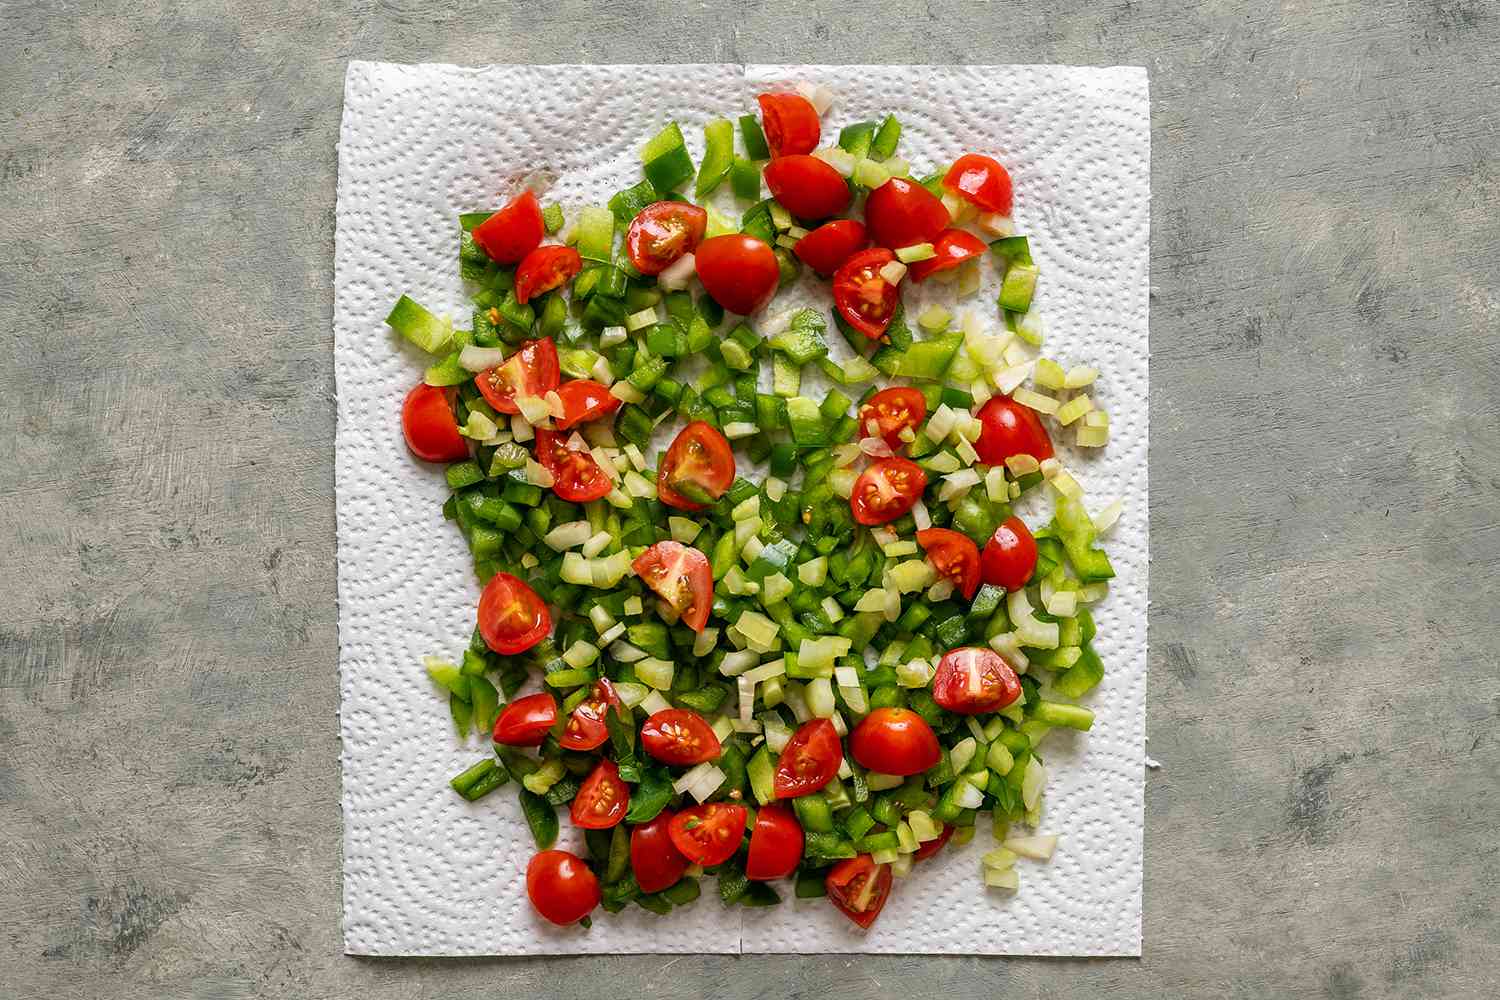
<point x="1007" y="428"/>
<point x="680" y="737"/>
<point x="681" y="575"/>
<point x="526" y="721"/>
<point x="982" y="181"/>
<point x="859" y="888"/>
<point x="832" y="243"/>
<point x="429" y="426"/>
<point x="974" y="680"/>
<point x="656" y="862"/>
<point x="790" y="123"/>
<point x="583" y="400"/>
<point x="586" y="728"/>
<point x="886" y="490"/>
<point x="531" y="371"/>
<point x="576" y="477"/>
<point x="602" y="798"/>
<point x="894" y="741"/>
<point x="775" y="844"/>
<point x="512" y="618"/>
<point x="544" y="269"/>
<point x="931" y="847"/>
<point x="953" y="246"/>
<point x="862" y="295"/>
<point x="663" y="232"/>
<point x="1010" y="555"/>
<point x="901" y="213"/>
<point x="697" y="469"/>
<point x="561" y="886"/>
<point x="740" y="272"/>
<point x="806" y="186"/>
<point x="709" y="834"/>
<point x="954" y="555"/>
<point x="892" y="411"/>
<point x="514" y="231"/>
<point x="809" y="760"/>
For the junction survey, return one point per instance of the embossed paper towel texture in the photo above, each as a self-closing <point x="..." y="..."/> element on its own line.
<point x="426" y="873"/>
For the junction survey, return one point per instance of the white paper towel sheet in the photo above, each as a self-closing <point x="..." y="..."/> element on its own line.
<point x="426" y="873"/>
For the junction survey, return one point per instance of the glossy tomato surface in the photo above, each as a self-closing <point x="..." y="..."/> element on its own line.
<point x="981" y="180"/>
<point x="583" y="400"/>
<point x="740" y="272"/>
<point x="586" y="728"/>
<point x="512" y="232"/>
<point x="680" y="737"/>
<point x="973" y="681"/>
<point x="663" y="232"/>
<point x="561" y="887"/>
<point x="531" y="371"/>
<point x="832" y="243"/>
<point x="1007" y="428"/>
<point x="526" y="721"/>
<point x="775" y="844"/>
<point x="708" y="834"/>
<point x="953" y="247"/>
<point x="790" y="123"/>
<point x="886" y="490"/>
<point x="681" y="575"/>
<point x="806" y="186"/>
<point x="512" y="618"/>
<point x="1009" y="556"/>
<point x="697" y="469"/>
<point x="862" y="295"/>
<point x="809" y="760"/>
<point x="859" y="888"/>
<point x="544" y="269"/>
<point x="602" y="798"/>
<point x="656" y="861"/>
<point x="576" y="477"/>
<point x="903" y="213"/>
<point x="894" y="741"/>
<point x="892" y="411"/>
<point x="430" y="429"/>
<point x="954" y="555"/>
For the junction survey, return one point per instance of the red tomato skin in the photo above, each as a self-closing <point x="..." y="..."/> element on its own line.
<point x="806" y="186"/>
<point x="852" y="287"/>
<point x="604" y="783"/>
<point x="723" y="821"/>
<point x="584" y="400"/>
<point x="902" y="213"/>
<point x="893" y="409"/>
<point x="514" y="231"/>
<point x="526" y="721"/>
<point x="739" y="271"/>
<point x="790" y="122"/>
<point x="586" y="728"/>
<point x="894" y="741"/>
<point x="1007" y="428"/>
<point x="931" y="847"/>
<point x="561" y="887"/>
<point x="544" y="269"/>
<point x="809" y="760"/>
<point x="1009" y="556"/>
<point x="655" y="566"/>
<point x="674" y="220"/>
<point x="837" y="886"/>
<point x="656" y="861"/>
<point x="890" y="471"/>
<point x="430" y="429"/>
<point x="775" y="844"/>
<point x="953" y="246"/>
<point x="955" y="555"/>
<point x="981" y="180"/>
<point x="950" y="685"/>
<point x="698" y="440"/>
<point x="533" y="367"/>
<point x="827" y="247"/>
<point x="664" y="733"/>
<point x="576" y="477"/>
<point x="503" y="590"/>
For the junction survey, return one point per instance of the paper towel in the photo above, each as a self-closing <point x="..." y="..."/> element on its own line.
<point x="426" y="873"/>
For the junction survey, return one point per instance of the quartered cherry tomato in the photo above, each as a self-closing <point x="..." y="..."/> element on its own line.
<point x="662" y="233"/>
<point x="775" y="844"/>
<point x="576" y="477"/>
<point x="931" y="847"/>
<point x="806" y="186"/>
<point x="809" y="760"/>
<point x="894" y="741"/>
<point x="586" y="728"/>
<point x="892" y="411"/>
<point x="602" y="798"/>
<point x="1007" y="428"/>
<point x="544" y="269"/>
<point x="740" y="272"/>
<point x="561" y="886"/>
<point x="790" y="123"/>
<point x="886" y="490"/>
<point x="514" y="231"/>
<point x="526" y="721"/>
<point x="903" y="213"/>
<point x="656" y="861"/>
<point x="681" y="575"/>
<point x="680" y="737"/>
<point x="859" y="888"/>
<point x="429" y="426"/>
<point x="1010" y="555"/>
<point x="709" y="834"/>
<point x="531" y="371"/>
<point x="953" y="246"/>
<point x="954" y="555"/>
<point x="583" y="400"/>
<point x="982" y="181"/>
<point x="832" y="243"/>
<point x="512" y="618"/>
<point x="974" y="680"/>
<point x="697" y="469"/>
<point x="862" y="295"/>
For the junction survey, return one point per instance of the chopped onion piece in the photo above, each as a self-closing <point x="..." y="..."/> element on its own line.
<point x="740" y="429"/>
<point x="619" y="499"/>
<point x="892" y="603"/>
<point x="873" y="446"/>
<point x="1016" y="353"/>
<point x="1065" y="484"/>
<point x="956" y="484"/>
<point x="915" y="252"/>
<point x="995" y="224"/>
<point x="738" y="662"/>
<point x="612" y="633"/>
<point x="920" y="515"/>
<point x="832" y="609"/>
<point x="872" y="600"/>
<point x="692" y="776"/>
<point x="1073" y="409"/>
<point x="940" y="591"/>
<point x="596" y="544"/>
<point x="970" y="797"/>
<point x="745" y="727"/>
<point x="877" y="782"/>
<point x="602" y="372"/>
<point x="655" y="673"/>
<point x="819" y="695"/>
<point x="637" y="485"/>
<point x="626" y="393"/>
<point x="1038" y="847"/>
<point x="1007" y="879"/>
<point x="777" y="731"/>
<point x="910" y="576"/>
<point x="1106" y="518"/>
<point x="1049" y="467"/>
<point x="1091" y="437"/>
<point x="678" y="274"/>
<point x="752" y="548"/>
<point x="904" y="547"/>
<point x="914" y="674"/>
<point x="1038" y="401"/>
<point x="839" y="159"/>
<point x="533" y="408"/>
<point x="642" y="319"/>
<point x="1079" y="376"/>
<point x="845" y="454"/>
<point x="1008" y="380"/>
<point x="746" y="509"/>
<point x="1022" y="465"/>
<point x="568" y="535"/>
<point x="704" y="642"/>
<point x="746" y="688"/>
<point x="994" y="484"/>
<point x="612" y="335"/>
<point x="626" y="653"/>
<point x="1008" y="645"/>
<point x="654" y="702"/>
<point x="630" y="693"/>
<point x="966" y="452"/>
<point x="893" y="272"/>
<point x="764" y="672"/>
<point x="944" y="462"/>
<point x="775" y="489"/>
<point x="813" y="572"/>
<point x="537" y="475"/>
<point x="841" y="481"/>
<point x="474" y="358"/>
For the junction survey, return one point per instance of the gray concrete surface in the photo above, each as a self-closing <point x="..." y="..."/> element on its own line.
<point x="1324" y="686"/>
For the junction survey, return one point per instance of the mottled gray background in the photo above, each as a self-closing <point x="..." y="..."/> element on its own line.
<point x="1326" y="302"/>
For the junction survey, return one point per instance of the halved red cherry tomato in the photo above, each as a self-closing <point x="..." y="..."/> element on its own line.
<point x="544" y="269"/>
<point x="429" y="426"/>
<point x="862" y="295"/>
<point x="584" y="399"/>
<point x="576" y="477"/>
<point x="809" y="760"/>
<point x="886" y="490"/>
<point x="901" y="213"/>
<point x="709" y="834"/>
<point x="657" y="863"/>
<point x="586" y="728"/>
<point x="561" y="886"/>
<point x="790" y="123"/>
<point x="526" y="721"/>
<point x="681" y="575"/>
<point x="892" y="411"/>
<point x="1007" y="428"/>
<point x="662" y="232"/>
<point x="602" y="798"/>
<point x="931" y="847"/>
<point x="680" y="737"/>
<point x="514" y="231"/>
<point x="739" y="271"/>
<point x="954" y="555"/>
<point x="698" y="468"/>
<point x="953" y="246"/>
<point x="512" y="618"/>
<point x="1010" y="555"/>
<point x="832" y="243"/>
<point x="974" y="680"/>
<point x="531" y="371"/>
<point x="894" y="741"/>
<point x="859" y="888"/>
<point x="981" y="180"/>
<point x="775" y="844"/>
<point x="807" y="187"/>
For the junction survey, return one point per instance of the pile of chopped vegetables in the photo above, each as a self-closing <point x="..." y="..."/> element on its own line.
<point x="826" y="672"/>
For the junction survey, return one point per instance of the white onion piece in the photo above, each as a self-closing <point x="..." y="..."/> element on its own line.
<point x="875" y="447"/>
<point x="477" y="359"/>
<point x="678" y="274"/>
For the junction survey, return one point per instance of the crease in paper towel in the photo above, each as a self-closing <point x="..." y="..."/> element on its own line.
<point x="426" y="873"/>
